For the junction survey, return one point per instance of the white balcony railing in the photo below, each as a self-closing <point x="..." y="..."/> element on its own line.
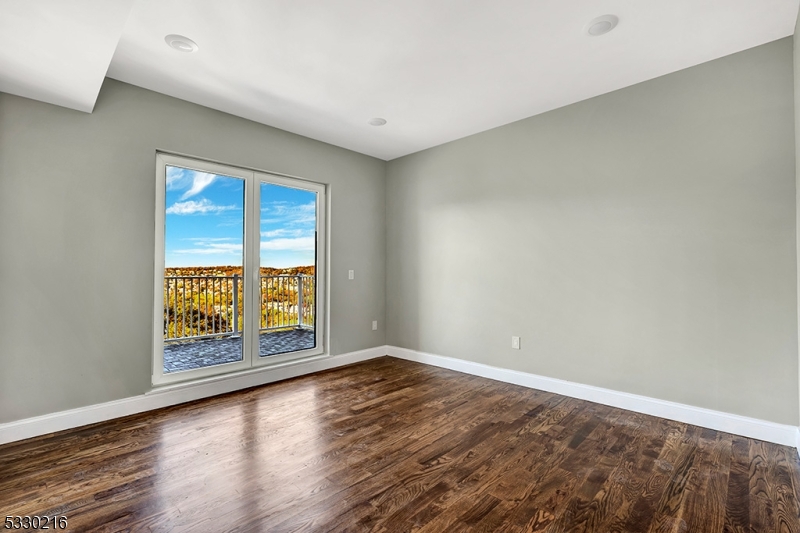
<point x="198" y="306"/>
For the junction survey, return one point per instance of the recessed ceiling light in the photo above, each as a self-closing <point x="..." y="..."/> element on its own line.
<point x="181" y="43"/>
<point x="377" y="121"/>
<point x="602" y="25"/>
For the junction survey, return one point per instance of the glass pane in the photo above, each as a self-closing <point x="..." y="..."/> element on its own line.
<point x="203" y="288"/>
<point x="288" y="270"/>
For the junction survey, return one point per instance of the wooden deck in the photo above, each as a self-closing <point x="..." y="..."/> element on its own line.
<point x="390" y="445"/>
<point x="201" y="353"/>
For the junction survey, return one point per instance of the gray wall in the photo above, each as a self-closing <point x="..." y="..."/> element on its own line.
<point x="77" y="197"/>
<point x="796" y="41"/>
<point x="642" y="241"/>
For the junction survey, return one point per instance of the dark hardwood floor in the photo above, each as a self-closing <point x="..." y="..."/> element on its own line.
<point x="389" y="445"/>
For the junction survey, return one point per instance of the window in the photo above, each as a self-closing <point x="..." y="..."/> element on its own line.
<point x="239" y="269"/>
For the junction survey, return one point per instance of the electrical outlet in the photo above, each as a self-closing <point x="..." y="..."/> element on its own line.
<point x="374" y="325"/>
<point x="515" y="343"/>
<point x="351" y="274"/>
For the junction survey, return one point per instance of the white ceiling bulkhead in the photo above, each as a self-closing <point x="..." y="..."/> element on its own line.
<point x="433" y="71"/>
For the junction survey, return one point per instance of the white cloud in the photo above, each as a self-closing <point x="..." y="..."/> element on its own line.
<point x="192" y="207"/>
<point x="212" y="248"/>
<point x="176" y="178"/>
<point x="192" y="180"/>
<point x="288" y="214"/>
<point x="299" y="244"/>
<point x="284" y="232"/>
<point x="200" y="180"/>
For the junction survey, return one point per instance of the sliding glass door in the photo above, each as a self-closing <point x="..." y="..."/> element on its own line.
<point x="204" y="315"/>
<point x="288" y="267"/>
<point x="239" y="269"/>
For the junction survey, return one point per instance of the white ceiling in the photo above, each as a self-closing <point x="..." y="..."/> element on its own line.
<point x="437" y="70"/>
<point x="58" y="51"/>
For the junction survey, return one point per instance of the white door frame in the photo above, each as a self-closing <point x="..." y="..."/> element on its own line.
<point x="251" y="271"/>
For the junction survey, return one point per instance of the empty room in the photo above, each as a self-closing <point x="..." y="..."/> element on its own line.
<point x="519" y="266"/>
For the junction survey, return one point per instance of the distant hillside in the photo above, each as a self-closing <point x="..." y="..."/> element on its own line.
<point x="213" y="271"/>
<point x="203" y="301"/>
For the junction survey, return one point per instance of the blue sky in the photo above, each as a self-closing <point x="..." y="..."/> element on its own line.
<point x="204" y="221"/>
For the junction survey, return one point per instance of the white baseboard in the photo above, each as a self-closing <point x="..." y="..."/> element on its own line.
<point x="797" y="441"/>
<point x="181" y="393"/>
<point x="176" y="394"/>
<point x="698" y="416"/>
